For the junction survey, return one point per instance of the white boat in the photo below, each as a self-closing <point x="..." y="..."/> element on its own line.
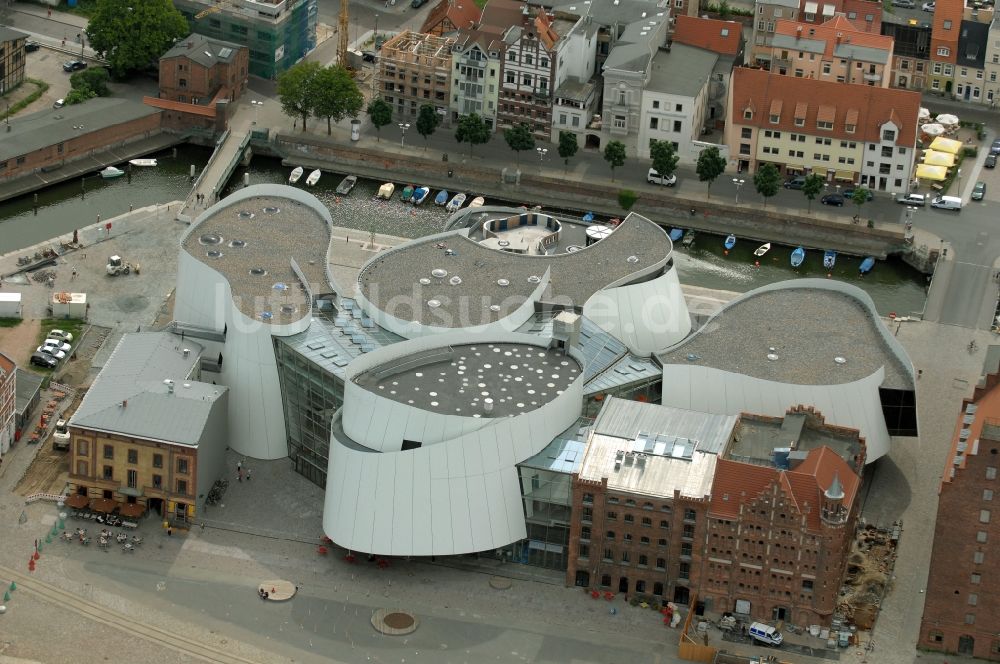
<point x="143" y="162"/>
<point x="112" y="172"/>
<point x="313" y="177"/>
<point x="478" y="201"/>
<point x="457" y="201"/>
<point x="296" y="175"/>
<point x="385" y="191"/>
<point x="762" y="249"/>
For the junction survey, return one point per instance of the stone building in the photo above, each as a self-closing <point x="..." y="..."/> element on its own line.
<point x="415" y="69"/>
<point x="962" y="607"/>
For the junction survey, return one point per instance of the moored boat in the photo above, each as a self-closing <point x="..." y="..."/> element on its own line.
<point x="829" y="259"/>
<point x="112" y="172"/>
<point x="295" y="175"/>
<point x="798" y="256"/>
<point x="762" y="249"/>
<point x="676" y="234"/>
<point x="420" y="195"/>
<point x="441" y="198"/>
<point x="456" y="202"/>
<point x="407" y="193"/>
<point x="478" y="201"/>
<point x="385" y="191"/>
<point x="730" y="241"/>
<point x="313" y="177"/>
<point x="588" y="217"/>
<point x="143" y="162"/>
<point x="346" y="185"/>
<point x="867" y="264"/>
<point x="688" y="239"/>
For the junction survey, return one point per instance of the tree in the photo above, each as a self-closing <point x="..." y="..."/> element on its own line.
<point x="766" y="181"/>
<point x="296" y="89"/>
<point x="859" y="198"/>
<point x="133" y="35"/>
<point x="473" y="130"/>
<point x="95" y="80"/>
<point x="335" y="96"/>
<point x="428" y="120"/>
<point x="380" y="113"/>
<point x="664" y="158"/>
<point x="519" y="138"/>
<point x="811" y="187"/>
<point x="710" y="166"/>
<point x="79" y="95"/>
<point x="626" y="199"/>
<point x="567" y="147"/>
<point x="614" y="154"/>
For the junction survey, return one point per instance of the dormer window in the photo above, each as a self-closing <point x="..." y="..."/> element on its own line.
<point x="849" y="128"/>
<point x="800" y="122"/>
<point x="775" y="118"/>
<point x="888" y="134"/>
<point x="748" y="114"/>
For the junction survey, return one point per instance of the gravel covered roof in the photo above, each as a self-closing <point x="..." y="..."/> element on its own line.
<point x="252" y="242"/>
<point x="807" y="327"/>
<point x="392" y="281"/>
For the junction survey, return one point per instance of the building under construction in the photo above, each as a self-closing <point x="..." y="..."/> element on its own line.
<point x="278" y="32"/>
<point x="415" y="69"/>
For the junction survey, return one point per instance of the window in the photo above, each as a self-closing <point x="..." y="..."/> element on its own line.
<point x="182" y="486"/>
<point x="748" y="114"/>
<point x="647" y="522"/>
<point x="609" y="554"/>
<point x="133" y="456"/>
<point x="588" y="498"/>
<point x="157" y="481"/>
<point x="133" y="479"/>
<point x="528" y="59"/>
<point x="978" y="557"/>
<point x="612" y="516"/>
<point x="947" y="24"/>
<point x="526" y="79"/>
<point x="625" y="556"/>
<point x="745" y="148"/>
<point x="661" y="542"/>
<point x="850" y="129"/>
<point x="889" y="135"/>
<point x="991" y="473"/>
<point x="937" y="68"/>
<point x="109" y="472"/>
<point x="807" y="585"/>
<point x="109" y="452"/>
<point x="987" y="494"/>
<point x="975" y="579"/>
<point x="684" y="571"/>
<point x="775" y="118"/>
<point x="688" y="531"/>
<point x="182" y="82"/>
<point x="585" y="533"/>
<point x="686" y="549"/>
<point x="824" y="125"/>
<point x="544" y="62"/>
<point x="619" y="122"/>
<point x="973" y="599"/>
<point x="800" y="122"/>
<point x="512" y="56"/>
<point x="886" y="150"/>
<point x="661" y="563"/>
<point x="677" y="125"/>
<point x="943" y="51"/>
<point x="584" y="551"/>
<point x="690" y="515"/>
<point x="981" y="536"/>
<point x="656" y="104"/>
<point x="984" y="516"/>
<point x="936" y="636"/>
<point x="746" y="132"/>
<point x="81" y="467"/>
<point x="970" y="618"/>
<point x="629" y="518"/>
<point x="510" y="78"/>
<point x="587" y="515"/>
<point x="82" y="447"/>
<point x="182" y="466"/>
<point x="664" y="524"/>
<point x="644" y="541"/>
<point x="654" y="123"/>
<point x="610" y="535"/>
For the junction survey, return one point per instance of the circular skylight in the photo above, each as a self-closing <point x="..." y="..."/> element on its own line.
<point x="237" y="244"/>
<point x="494" y="307"/>
<point x="439" y="273"/>
<point x="534" y="279"/>
<point x="424" y="281"/>
<point x="288" y="308"/>
<point x="258" y="271"/>
<point x="840" y="360"/>
<point x="573" y="248"/>
<point x="503" y="282"/>
<point x="456" y="280"/>
<point x="245" y="214"/>
<point x="632" y="259"/>
<point x="266" y="315"/>
<point x="772" y="356"/>
<point x="210" y="238"/>
<point x="280" y="286"/>
<point x="272" y="210"/>
<point x="433" y="304"/>
<point x="214" y="253"/>
<point x="503" y="243"/>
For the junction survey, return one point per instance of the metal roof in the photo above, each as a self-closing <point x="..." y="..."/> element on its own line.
<point x="51" y="126"/>
<point x="565" y="453"/>
<point x="628" y="370"/>
<point x="129" y="396"/>
<point x="8" y="34"/>
<point x="634" y="420"/>
<point x="26" y="386"/>
<point x="599" y="349"/>
<point x="335" y="337"/>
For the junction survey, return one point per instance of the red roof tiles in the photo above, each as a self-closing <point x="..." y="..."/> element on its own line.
<point x="461" y="13"/>
<point x="722" y="37"/>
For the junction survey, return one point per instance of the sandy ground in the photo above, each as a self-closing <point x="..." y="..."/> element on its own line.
<point x="19" y="342"/>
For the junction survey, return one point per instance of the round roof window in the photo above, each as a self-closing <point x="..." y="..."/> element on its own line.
<point x="424" y="281"/>
<point x="210" y="238"/>
<point x="237" y="244"/>
<point x="258" y="271"/>
<point x="272" y="210"/>
<point x="433" y="304"/>
<point x="503" y="282"/>
<point x="245" y="214"/>
<point x="456" y="280"/>
<point x="534" y="279"/>
<point x="280" y="286"/>
<point x="214" y="253"/>
<point x="439" y="273"/>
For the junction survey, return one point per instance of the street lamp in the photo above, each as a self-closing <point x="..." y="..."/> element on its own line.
<point x="541" y="153"/>
<point x="375" y="40"/>
<point x="256" y="109"/>
<point x="739" y="183"/>
<point x="403" y="126"/>
<point x="960" y="183"/>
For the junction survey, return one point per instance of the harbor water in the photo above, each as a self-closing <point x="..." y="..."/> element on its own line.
<point x="894" y="286"/>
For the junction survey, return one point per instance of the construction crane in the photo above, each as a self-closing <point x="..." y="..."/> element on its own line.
<point x="219" y="6"/>
<point x="343" y="27"/>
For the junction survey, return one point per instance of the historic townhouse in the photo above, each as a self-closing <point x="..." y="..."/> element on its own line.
<point x="911" y="51"/>
<point x="833" y="51"/>
<point x="945" y="33"/>
<point x="450" y="16"/>
<point x="12" y="58"/>
<point x="865" y="15"/>
<point x="992" y="64"/>
<point x="477" y="60"/>
<point x="766" y="17"/>
<point x="970" y="65"/>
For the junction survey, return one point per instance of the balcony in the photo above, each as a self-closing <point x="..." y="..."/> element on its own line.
<point x="875" y="78"/>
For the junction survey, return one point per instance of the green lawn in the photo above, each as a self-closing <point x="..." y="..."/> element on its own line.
<point x="10" y="322"/>
<point x="72" y="325"/>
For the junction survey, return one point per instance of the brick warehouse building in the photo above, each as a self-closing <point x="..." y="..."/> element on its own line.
<point x="962" y="605"/>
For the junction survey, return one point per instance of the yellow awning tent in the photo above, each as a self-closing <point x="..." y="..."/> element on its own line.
<point x="935" y="158"/>
<point x="942" y="144"/>
<point x="929" y="172"/>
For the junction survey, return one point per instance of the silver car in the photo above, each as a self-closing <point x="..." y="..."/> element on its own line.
<point x="58" y="345"/>
<point x="51" y="352"/>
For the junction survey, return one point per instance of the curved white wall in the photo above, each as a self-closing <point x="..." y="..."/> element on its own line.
<point x="648" y="317"/>
<point x="453" y="495"/>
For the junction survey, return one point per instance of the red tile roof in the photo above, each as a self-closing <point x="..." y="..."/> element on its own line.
<point x="754" y="89"/>
<point x="738" y="483"/>
<point x="722" y="37"/>
<point x="950" y="11"/>
<point x="500" y="15"/>
<point x="838" y="29"/>
<point x="461" y="13"/>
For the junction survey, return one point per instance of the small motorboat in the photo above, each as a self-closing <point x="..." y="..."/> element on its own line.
<point x="296" y="175"/>
<point x="143" y="162"/>
<point x="478" y="201"/>
<point x="762" y="249"/>
<point x="676" y="234"/>
<point x="688" y="239"/>
<point x="588" y="217"/>
<point x="112" y="172"/>
<point x="829" y="259"/>
<point x="798" y="256"/>
<point x="420" y="195"/>
<point x="442" y="198"/>
<point x="866" y="265"/>
<point x="456" y="202"/>
<point x="346" y="185"/>
<point x="407" y="193"/>
<point x="730" y="242"/>
<point x="385" y="191"/>
<point x="314" y="178"/>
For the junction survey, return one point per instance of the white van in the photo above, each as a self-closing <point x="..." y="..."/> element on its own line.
<point x="947" y="203"/>
<point x="653" y="177"/>
<point x="765" y="634"/>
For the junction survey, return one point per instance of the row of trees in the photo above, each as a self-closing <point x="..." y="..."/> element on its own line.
<point x="308" y="89"/>
<point x="767" y="182"/>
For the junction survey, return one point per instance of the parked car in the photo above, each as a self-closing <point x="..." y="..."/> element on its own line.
<point x="833" y="199"/>
<point x="995" y="148"/>
<point x="849" y="194"/>
<point x="905" y="4"/>
<point x="991" y="161"/>
<point x="51" y="352"/>
<point x="978" y="191"/>
<point x="417" y="4"/>
<point x="32" y="46"/>
<point x="928" y="7"/>
<point x="655" y="178"/>
<point x="74" y="65"/>
<point x="43" y="360"/>
<point x="59" y="103"/>
<point x="918" y="200"/>
<point x="58" y="345"/>
<point x="796" y="182"/>
<point x="61" y="335"/>
<point x="765" y="634"/>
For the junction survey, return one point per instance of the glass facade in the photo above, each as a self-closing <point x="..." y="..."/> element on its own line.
<point x="311" y="396"/>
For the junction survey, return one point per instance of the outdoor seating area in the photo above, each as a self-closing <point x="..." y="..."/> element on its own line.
<point x="105" y="539"/>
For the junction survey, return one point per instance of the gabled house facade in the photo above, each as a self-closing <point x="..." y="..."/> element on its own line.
<point x="477" y="60"/>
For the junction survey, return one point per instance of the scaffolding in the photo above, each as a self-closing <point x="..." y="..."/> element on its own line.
<point x="415" y="69"/>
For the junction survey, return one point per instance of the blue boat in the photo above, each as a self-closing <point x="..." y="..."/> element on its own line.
<point x="867" y="264"/>
<point x="676" y="234"/>
<point x="441" y="198"/>
<point x="588" y="217"/>
<point x="420" y="195"/>
<point x="798" y="256"/>
<point x="730" y="242"/>
<point x="829" y="259"/>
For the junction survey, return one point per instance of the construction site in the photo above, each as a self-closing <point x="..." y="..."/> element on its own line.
<point x="415" y="69"/>
<point x="868" y="577"/>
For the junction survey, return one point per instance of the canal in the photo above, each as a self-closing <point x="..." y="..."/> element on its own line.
<point x="893" y="285"/>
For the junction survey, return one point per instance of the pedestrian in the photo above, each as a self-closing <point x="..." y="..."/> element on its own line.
<point x="240" y="474"/>
<point x="248" y="474"/>
<point x="170" y="531"/>
<point x="73" y="275"/>
<point x="239" y="466"/>
<point x="920" y="372"/>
